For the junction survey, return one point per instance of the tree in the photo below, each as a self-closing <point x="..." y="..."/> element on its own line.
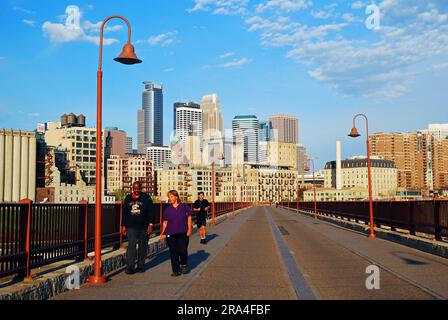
<point x="119" y="194"/>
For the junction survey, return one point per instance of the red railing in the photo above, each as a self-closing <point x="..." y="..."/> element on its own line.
<point x="430" y="217"/>
<point x="34" y="235"/>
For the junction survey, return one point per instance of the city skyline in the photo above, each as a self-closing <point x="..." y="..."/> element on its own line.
<point x="60" y="65"/>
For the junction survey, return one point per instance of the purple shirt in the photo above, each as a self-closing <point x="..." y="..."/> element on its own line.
<point x="177" y="219"/>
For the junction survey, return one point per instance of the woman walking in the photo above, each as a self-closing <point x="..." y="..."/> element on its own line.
<point x="176" y="229"/>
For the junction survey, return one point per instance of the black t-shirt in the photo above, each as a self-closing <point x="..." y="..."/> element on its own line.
<point x="201" y="205"/>
<point x="138" y="213"/>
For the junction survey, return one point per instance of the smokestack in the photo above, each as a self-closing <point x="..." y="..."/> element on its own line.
<point x="338" y="166"/>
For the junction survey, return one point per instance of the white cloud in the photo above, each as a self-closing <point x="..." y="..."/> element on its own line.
<point x="85" y="32"/>
<point x="355" y="61"/>
<point x="434" y="16"/>
<point x="200" y="5"/>
<point x="440" y="66"/>
<point x="349" y="17"/>
<point x="226" y="55"/>
<point x="284" y="5"/>
<point x="95" y="27"/>
<point x="357" y="5"/>
<point x="164" y="39"/>
<point x="321" y="14"/>
<point x="34" y="115"/>
<point x="169" y="70"/>
<point x="31" y="23"/>
<point x="235" y="63"/>
<point x="23" y="10"/>
<point x="231" y="64"/>
<point x="220" y="7"/>
<point x="270" y="26"/>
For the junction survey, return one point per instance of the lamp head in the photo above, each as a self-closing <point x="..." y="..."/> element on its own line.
<point x="354" y="133"/>
<point x="128" y="56"/>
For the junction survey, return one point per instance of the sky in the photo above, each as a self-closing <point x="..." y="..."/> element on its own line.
<point x="322" y="61"/>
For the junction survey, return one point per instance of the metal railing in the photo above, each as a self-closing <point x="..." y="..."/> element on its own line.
<point x="34" y="235"/>
<point x="430" y="217"/>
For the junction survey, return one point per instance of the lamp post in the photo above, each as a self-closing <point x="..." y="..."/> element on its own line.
<point x="354" y="134"/>
<point x="213" y="189"/>
<point x="128" y="57"/>
<point x="298" y="194"/>
<point x="233" y="192"/>
<point x="311" y="160"/>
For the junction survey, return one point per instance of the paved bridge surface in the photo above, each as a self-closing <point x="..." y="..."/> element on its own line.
<point x="270" y="253"/>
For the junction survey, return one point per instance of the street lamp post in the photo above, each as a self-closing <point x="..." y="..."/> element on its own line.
<point x="213" y="189"/>
<point x="314" y="189"/>
<point x="298" y="194"/>
<point x="354" y="134"/>
<point x="233" y="192"/>
<point x="128" y="57"/>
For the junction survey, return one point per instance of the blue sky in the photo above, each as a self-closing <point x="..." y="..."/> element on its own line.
<point x="313" y="59"/>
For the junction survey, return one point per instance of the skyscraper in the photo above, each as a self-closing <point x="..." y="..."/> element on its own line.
<point x="265" y="131"/>
<point x="212" y="126"/>
<point x="117" y="141"/>
<point x="211" y="115"/>
<point x="285" y="128"/>
<point x="421" y="157"/>
<point x="246" y="128"/>
<point x="150" y="117"/>
<point x="187" y="119"/>
<point x="128" y="145"/>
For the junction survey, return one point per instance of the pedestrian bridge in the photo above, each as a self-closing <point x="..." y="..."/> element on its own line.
<point x="269" y="253"/>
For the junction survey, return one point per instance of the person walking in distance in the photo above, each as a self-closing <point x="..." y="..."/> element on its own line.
<point x="138" y="214"/>
<point x="177" y="229"/>
<point x="201" y="207"/>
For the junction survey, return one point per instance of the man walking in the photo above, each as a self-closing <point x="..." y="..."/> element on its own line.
<point x="138" y="213"/>
<point x="201" y="207"/>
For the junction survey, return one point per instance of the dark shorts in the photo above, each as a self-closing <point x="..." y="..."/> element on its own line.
<point x="201" y="219"/>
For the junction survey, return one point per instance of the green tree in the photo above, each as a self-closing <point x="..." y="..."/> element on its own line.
<point x="119" y="194"/>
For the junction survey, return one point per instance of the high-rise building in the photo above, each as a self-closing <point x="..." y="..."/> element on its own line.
<point x="150" y="117"/>
<point x="409" y="152"/>
<point x="187" y="120"/>
<point x="439" y="131"/>
<point x="421" y="157"/>
<point x="159" y="156"/>
<point x="279" y="154"/>
<point x="17" y="165"/>
<point x="245" y="130"/>
<point x="79" y="144"/>
<point x="122" y="172"/>
<point x="213" y="132"/>
<point x="128" y="145"/>
<point x="211" y="115"/>
<point x="265" y="135"/>
<point x="302" y="159"/>
<point x="116" y="140"/>
<point x="285" y="128"/>
<point x="265" y="131"/>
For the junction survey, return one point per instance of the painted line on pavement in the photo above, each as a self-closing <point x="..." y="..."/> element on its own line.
<point x="301" y="286"/>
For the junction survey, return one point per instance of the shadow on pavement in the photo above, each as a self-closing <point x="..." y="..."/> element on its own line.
<point x="158" y="259"/>
<point x="195" y="259"/>
<point x="211" y="237"/>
